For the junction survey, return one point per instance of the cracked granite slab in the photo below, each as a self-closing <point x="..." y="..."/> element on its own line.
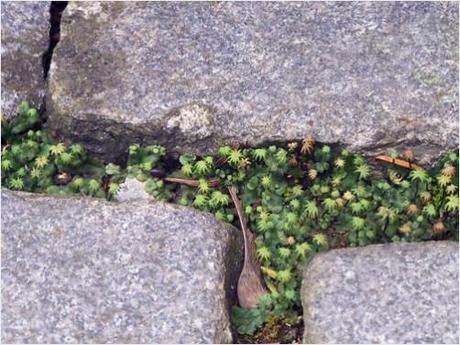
<point x="391" y="293"/>
<point x="195" y="75"/>
<point x="89" y="271"/>
<point x="25" y="38"/>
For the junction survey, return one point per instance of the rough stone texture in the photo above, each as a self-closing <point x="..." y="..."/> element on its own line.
<point x="89" y="271"/>
<point x="25" y="38"/>
<point x="195" y="75"/>
<point x="132" y="189"/>
<point x="393" y="293"/>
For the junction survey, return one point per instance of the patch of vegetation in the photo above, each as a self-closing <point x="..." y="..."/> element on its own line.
<point x="299" y="199"/>
<point x="32" y="161"/>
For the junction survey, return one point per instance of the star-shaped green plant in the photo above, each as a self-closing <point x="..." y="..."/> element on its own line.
<point x="35" y="173"/>
<point x="114" y="188"/>
<point x="41" y="161"/>
<point x="311" y="210"/>
<point x="419" y="175"/>
<point x="66" y="157"/>
<point x="6" y="164"/>
<point x="187" y="169"/>
<point x="202" y="167"/>
<point x="259" y="154"/>
<point x="219" y="199"/>
<point x="444" y="180"/>
<point x="363" y="171"/>
<point x="330" y="204"/>
<point x="452" y="203"/>
<point x="284" y="252"/>
<point x="16" y="183"/>
<point x="93" y="186"/>
<point x="358" y="223"/>
<point x="57" y="149"/>
<point x="76" y="149"/>
<point x="302" y="249"/>
<point x="264" y="254"/>
<point x="429" y="210"/>
<point x="320" y="240"/>
<point x="203" y="186"/>
<point x="284" y="276"/>
<point x="200" y="201"/>
<point x="235" y="157"/>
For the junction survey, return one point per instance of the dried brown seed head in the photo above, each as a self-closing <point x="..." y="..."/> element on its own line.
<point x="439" y="227"/>
<point x="340" y="202"/>
<point x="290" y="240"/>
<point x="292" y="146"/>
<point x="62" y="178"/>
<point x="348" y="196"/>
<point x="449" y="171"/>
<point x="312" y="174"/>
<point x="408" y="155"/>
<point x="293" y="162"/>
<point x="425" y="196"/>
<point x="405" y="228"/>
<point x="307" y="145"/>
<point x="245" y="162"/>
<point x="412" y="209"/>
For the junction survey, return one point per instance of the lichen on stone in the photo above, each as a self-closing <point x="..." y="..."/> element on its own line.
<point x="194" y="120"/>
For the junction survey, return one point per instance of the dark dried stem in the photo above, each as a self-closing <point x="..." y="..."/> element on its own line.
<point x="191" y="183"/>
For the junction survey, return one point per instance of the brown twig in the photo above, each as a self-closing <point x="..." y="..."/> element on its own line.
<point x="250" y="285"/>
<point x="400" y="162"/>
<point x="191" y="183"/>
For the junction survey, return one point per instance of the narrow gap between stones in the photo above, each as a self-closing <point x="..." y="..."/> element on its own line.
<point x="56" y="9"/>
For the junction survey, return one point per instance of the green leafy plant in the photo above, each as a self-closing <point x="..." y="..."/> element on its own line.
<point x="299" y="199"/>
<point x="247" y="321"/>
<point x="33" y="161"/>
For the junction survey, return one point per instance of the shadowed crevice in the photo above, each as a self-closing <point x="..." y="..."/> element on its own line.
<point x="56" y="9"/>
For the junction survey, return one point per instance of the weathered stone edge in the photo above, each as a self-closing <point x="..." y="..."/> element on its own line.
<point x="312" y="266"/>
<point x="236" y="244"/>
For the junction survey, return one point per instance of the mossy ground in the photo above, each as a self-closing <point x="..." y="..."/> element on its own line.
<point x="299" y="198"/>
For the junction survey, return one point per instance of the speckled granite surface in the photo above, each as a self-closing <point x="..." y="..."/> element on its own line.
<point x="132" y="189"/>
<point x="394" y="293"/>
<point x="370" y="75"/>
<point x="25" y="37"/>
<point x="89" y="271"/>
